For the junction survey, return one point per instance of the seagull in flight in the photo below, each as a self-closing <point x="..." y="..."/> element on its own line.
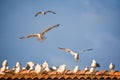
<point x="76" y="55"/>
<point x="40" y="36"/>
<point x="44" y="12"/>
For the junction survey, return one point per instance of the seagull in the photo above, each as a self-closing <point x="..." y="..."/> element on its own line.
<point x="61" y="68"/>
<point x="45" y="64"/>
<point x="38" y="68"/>
<point x="92" y="70"/>
<point x="18" y="64"/>
<point x="30" y="65"/>
<point x="86" y="68"/>
<point x="2" y="70"/>
<point x="5" y="63"/>
<point x="54" y="68"/>
<point x="18" y="69"/>
<point x="75" y="69"/>
<point x="40" y="36"/>
<point x="94" y="64"/>
<point x="76" y="55"/>
<point x="44" y="12"/>
<point x="112" y="66"/>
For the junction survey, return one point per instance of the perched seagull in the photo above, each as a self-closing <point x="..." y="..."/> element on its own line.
<point x="86" y="68"/>
<point x="40" y="36"/>
<point x="38" y="68"/>
<point x="92" y="70"/>
<point x="112" y="66"/>
<point x="75" y="69"/>
<point x="18" y="64"/>
<point x="5" y="63"/>
<point x="76" y="55"/>
<point x="94" y="64"/>
<point x="45" y="64"/>
<point x="44" y="12"/>
<point x="54" y="68"/>
<point x="18" y="67"/>
<point x="30" y="65"/>
<point x="47" y="69"/>
<point x="2" y="70"/>
<point x="61" y="68"/>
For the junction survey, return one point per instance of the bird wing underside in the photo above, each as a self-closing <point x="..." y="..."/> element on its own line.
<point x="48" y="29"/>
<point x="50" y="12"/>
<point x="68" y="50"/>
<point x="29" y="36"/>
<point x="32" y="35"/>
<point x="38" y="13"/>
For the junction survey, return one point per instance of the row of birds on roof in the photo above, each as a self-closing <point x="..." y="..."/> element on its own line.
<point x="41" y="37"/>
<point x="38" y="68"/>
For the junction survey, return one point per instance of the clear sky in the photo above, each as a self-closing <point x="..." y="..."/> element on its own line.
<point x="83" y="24"/>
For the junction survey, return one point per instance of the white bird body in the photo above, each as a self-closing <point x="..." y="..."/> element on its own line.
<point x="38" y="68"/>
<point x="47" y="69"/>
<point x="30" y="65"/>
<point x="54" y="68"/>
<point x="40" y="36"/>
<point x="5" y="63"/>
<point x="92" y="70"/>
<point x="86" y="68"/>
<point x="111" y="66"/>
<point x="94" y="64"/>
<point x="61" y="68"/>
<point x="76" y="55"/>
<point x="2" y="70"/>
<point x="18" y="69"/>
<point x="76" y="69"/>
<point x="18" y="64"/>
<point x="45" y="64"/>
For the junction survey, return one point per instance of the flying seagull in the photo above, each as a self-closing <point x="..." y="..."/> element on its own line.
<point x="40" y="36"/>
<point x="76" y="55"/>
<point x="44" y="12"/>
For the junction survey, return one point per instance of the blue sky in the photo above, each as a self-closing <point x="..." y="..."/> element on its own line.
<point x="83" y="24"/>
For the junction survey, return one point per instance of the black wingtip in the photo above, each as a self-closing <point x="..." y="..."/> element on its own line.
<point x="35" y="16"/>
<point x="59" y="47"/>
<point x="21" y="37"/>
<point x="90" y="49"/>
<point x="58" y="25"/>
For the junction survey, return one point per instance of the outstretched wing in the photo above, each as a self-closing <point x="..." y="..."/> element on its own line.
<point x="29" y="36"/>
<point x="38" y="13"/>
<point x="85" y="50"/>
<point x="68" y="50"/>
<point x="48" y="29"/>
<point x="50" y="12"/>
